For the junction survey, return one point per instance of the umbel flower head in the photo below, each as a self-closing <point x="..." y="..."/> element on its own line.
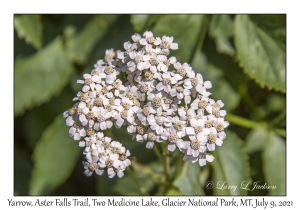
<point x="158" y="99"/>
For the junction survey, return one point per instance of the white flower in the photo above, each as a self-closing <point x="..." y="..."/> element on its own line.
<point x="111" y="160"/>
<point x="196" y="145"/>
<point x="123" y="157"/>
<point x="167" y="43"/>
<point x="203" y="157"/>
<point x="76" y="131"/>
<point x="213" y="139"/>
<point x="184" y="70"/>
<point x="103" y="118"/>
<point x="174" y="139"/>
<point x="112" y="172"/>
<point x="91" y="167"/>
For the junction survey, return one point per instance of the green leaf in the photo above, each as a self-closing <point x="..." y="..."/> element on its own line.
<point x="40" y="76"/>
<point x="54" y="158"/>
<point x="234" y="163"/>
<point x="80" y="46"/>
<point x="189" y="180"/>
<point x="221" y="89"/>
<point x="39" y="119"/>
<point x="274" y="164"/>
<point x="143" y="22"/>
<point x="173" y="191"/>
<point x="186" y="30"/>
<point x="144" y="174"/>
<point x="221" y="29"/>
<point x="22" y="168"/>
<point x="256" y="140"/>
<point x="260" y="54"/>
<point x="218" y="178"/>
<point x="30" y="27"/>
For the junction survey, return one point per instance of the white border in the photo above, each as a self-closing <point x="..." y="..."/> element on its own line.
<point x="8" y="8"/>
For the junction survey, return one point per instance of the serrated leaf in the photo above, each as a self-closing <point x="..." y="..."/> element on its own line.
<point x="274" y="164"/>
<point x="221" y="29"/>
<point x="189" y="180"/>
<point x="54" y="158"/>
<point x="234" y="163"/>
<point x="40" y="76"/>
<point x="261" y="55"/>
<point x="80" y="46"/>
<point x="39" y="119"/>
<point x="256" y="140"/>
<point x="143" y="22"/>
<point x="185" y="30"/>
<point x="30" y="27"/>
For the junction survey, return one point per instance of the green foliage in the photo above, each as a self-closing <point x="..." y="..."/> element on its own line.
<point x="221" y="89"/>
<point x="231" y="51"/>
<point x="54" y="158"/>
<point x="143" y="22"/>
<point x="221" y="29"/>
<point x="233" y="164"/>
<point x="260" y="52"/>
<point x="256" y="140"/>
<point x="274" y="164"/>
<point x="145" y="175"/>
<point x="192" y="26"/>
<point x="81" y="45"/>
<point x="44" y="74"/>
<point x="188" y="183"/>
<point x="30" y="27"/>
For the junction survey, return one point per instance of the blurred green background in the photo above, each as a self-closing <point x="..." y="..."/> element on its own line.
<point x="243" y="55"/>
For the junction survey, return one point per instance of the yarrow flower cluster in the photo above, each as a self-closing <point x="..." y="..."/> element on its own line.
<point x="157" y="98"/>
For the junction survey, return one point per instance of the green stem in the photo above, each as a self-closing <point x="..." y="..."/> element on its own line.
<point x="141" y="189"/>
<point x="166" y="160"/>
<point x="243" y="122"/>
<point x="281" y="132"/>
<point x="157" y="152"/>
<point x="279" y="118"/>
<point x="246" y="123"/>
<point x="178" y="167"/>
